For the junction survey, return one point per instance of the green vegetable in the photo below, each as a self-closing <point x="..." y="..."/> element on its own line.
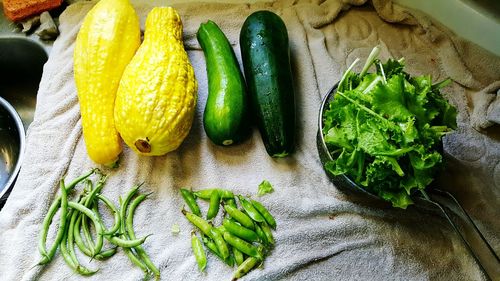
<point x="265" y="213"/>
<point x="225" y="117"/>
<point x="199" y="252"/>
<point x="130" y="231"/>
<point x="267" y="232"/>
<point x="265" y="56"/>
<point x="239" y="258"/>
<point x="240" y="231"/>
<point x="384" y="129"/>
<point x="205" y="194"/>
<point x="264" y="188"/>
<point x="47" y="256"/>
<point x="213" y="208"/>
<point x="191" y="201"/>
<point x="242" y="245"/>
<point x="239" y="216"/>
<point x="250" y="209"/>
<point x="245" y="267"/>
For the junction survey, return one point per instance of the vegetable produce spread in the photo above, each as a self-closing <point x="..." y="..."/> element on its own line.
<point x="245" y="236"/>
<point x="384" y="129"/>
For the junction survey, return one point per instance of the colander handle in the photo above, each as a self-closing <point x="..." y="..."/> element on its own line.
<point x="470" y="234"/>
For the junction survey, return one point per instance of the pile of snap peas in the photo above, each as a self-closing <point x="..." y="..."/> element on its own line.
<point x="244" y="238"/>
<point x="78" y="216"/>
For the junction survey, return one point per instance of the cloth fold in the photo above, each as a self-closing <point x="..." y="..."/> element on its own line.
<point x="322" y="233"/>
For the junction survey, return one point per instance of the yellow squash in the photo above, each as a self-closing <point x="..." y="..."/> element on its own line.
<point x="156" y="99"/>
<point x="109" y="37"/>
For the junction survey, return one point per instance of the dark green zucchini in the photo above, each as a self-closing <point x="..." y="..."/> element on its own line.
<point x="225" y="116"/>
<point x="266" y="61"/>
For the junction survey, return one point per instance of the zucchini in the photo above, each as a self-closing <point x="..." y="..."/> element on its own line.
<point x="225" y="116"/>
<point x="266" y="61"/>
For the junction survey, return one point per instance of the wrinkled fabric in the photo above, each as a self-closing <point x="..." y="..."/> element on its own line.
<point x="323" y="233"/>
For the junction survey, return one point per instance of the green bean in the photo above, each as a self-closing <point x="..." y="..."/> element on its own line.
<point x="245" y="267"/>
<point x="110" y="205"/>
<point x="123" y="211"/>
<point x="126" y="243"/>
<point x="239" y="216"/>
<point x="213" y="208"/>
<point x="95" y="219"/>
<point x="50" y="215"/>
<point x="240" y="231"/>
<point x="191" y="201"/>
<point x="261" y="234"/>
<point x="78" y="238"/>
<point x="106" y="254"/>
<point x="71" y="247"/>
<point x="47" y="256"/>
<point x="231" y="202"/>
<point x="219" y="241"/>
<point x="242" y="245"/>
<point x="200" y="223"/>
<point x="130" y="230"/>
<point x="250" y="210"/>
<point x="265" y="213"/>
<point x="238" y="256"/>
<point x="199" y="252"/>
<point x="267" y="231"/>
<point x="68" y="258"/>
<point x="207" y="193"/>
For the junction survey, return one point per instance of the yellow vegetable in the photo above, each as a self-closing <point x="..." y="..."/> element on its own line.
<point x="109" y="36"/>
<point x="156" y="99"/>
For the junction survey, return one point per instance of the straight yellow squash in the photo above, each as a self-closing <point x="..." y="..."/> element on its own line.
<point x="156" y="99"/>
<point x="107" y="41"/>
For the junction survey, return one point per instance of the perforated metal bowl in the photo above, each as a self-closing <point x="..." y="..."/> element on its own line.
<point x="470" y="234"/>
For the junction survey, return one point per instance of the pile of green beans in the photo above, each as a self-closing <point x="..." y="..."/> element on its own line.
<point x="244" y="238"/>
<point x="82" y="215"/>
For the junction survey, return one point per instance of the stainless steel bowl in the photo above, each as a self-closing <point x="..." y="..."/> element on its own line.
<point x="12" y="142"/>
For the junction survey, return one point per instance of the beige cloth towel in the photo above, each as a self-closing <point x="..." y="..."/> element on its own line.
<point x="322" y="234"/>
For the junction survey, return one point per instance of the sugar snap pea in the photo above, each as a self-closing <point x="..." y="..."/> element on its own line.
<point x="245" y="267"/>
<point x="267" y="232"/>
<point x="238" y="256"/>
<point x="261" y="234"/>
<point x="231" y="202"/>
<point x="213" y="208"/>
<point x="213" y="248"/>
<point x="242" y="245"/>
<point x="130" y="231"/>
<point x="240" y="231"/>
<point x="265" y="213"/>
<point x="191" y="201"/>
<point x="250" y="209"/>
<point x="197" y="221"/>
<point x="239" y="216"/>
<point x="205" y="194"/>
<point x="216" y="235"/>
<point x="199" y="252"/>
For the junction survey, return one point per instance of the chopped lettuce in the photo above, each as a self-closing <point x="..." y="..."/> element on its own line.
<point x="384" y="129"/>
<point x="264" y="188"/>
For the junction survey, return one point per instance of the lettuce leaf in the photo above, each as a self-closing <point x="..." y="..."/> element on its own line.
<point x="384" y="130"/>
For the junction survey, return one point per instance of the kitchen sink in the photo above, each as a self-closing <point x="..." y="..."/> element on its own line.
<point x="21" y="65"/>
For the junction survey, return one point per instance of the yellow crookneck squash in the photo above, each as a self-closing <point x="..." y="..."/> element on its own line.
<point x="107" y="41"/>
<point x="156" y="99"/>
